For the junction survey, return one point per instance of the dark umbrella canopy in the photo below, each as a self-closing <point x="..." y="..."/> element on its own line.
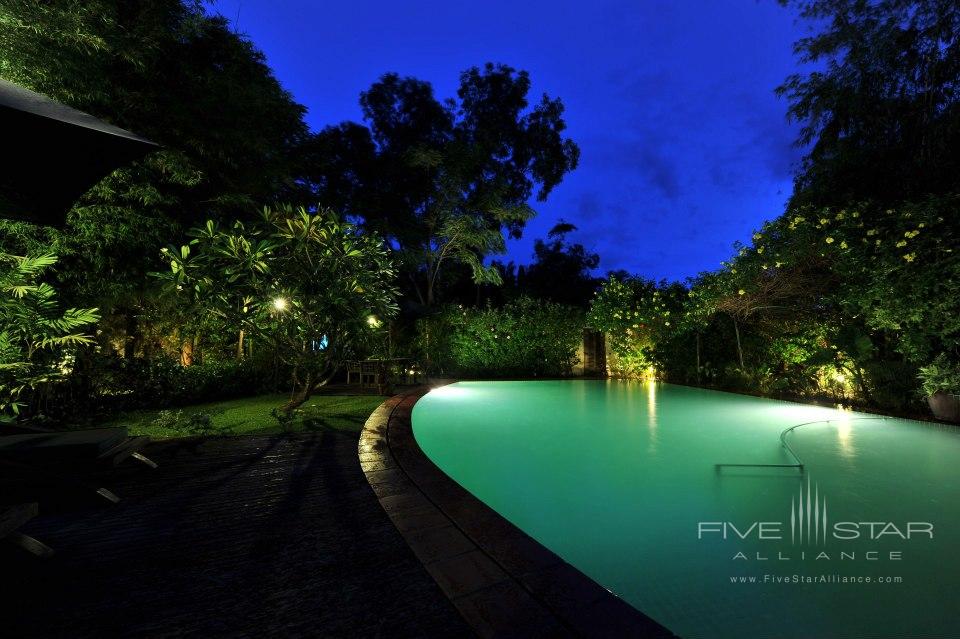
<point x="52" y="154"/>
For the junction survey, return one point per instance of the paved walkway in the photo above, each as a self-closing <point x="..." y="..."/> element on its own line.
<point x="252" y="536"/>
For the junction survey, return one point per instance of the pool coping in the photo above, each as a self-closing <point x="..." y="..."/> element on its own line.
<point x="502" y="581"/>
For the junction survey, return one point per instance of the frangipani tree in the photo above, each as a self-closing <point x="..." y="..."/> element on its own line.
<point x="308" y="284"/>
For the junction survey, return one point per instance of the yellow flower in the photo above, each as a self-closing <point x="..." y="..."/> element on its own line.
<point x="824" y="220"/>
<point x="843" y="245"/>
<point x="757" y="236"/>
<point x="760" y="250"/>
<point x="901" y="243"/>
<point x="742" y="292"/>
<point x="855" y="214"/>
<point x="910" y="257"/>
<point x="829" y="240"/>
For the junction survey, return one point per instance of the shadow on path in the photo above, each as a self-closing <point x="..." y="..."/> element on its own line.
<point x="239" y="536"/>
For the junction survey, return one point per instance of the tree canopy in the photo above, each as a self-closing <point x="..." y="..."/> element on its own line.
<point x="170" y="72"/>
<point x="443" y="180"/>
<point x="306" y="284"/>
<point x="879" y="109"/>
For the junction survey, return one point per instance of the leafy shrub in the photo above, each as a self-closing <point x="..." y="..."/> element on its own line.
<point x="124" y="384"/>
<point x="168" y="419"/>
<point x="525" y="337"/>
<point x="635" y="314"/>
<point x="197" y="423"/>
<point x="940" y="375"/>
<point x="38" y="340"/>
<point x="200" y="423"/>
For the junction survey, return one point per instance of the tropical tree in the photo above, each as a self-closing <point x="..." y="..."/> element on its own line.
<point x="38" y="340"/>
<point x="880" y="107"/>
<point x="169" y="71"/>
<point x="561" y="271"/>
<point x="305" y="284"/>
<point x="439" y="180"/>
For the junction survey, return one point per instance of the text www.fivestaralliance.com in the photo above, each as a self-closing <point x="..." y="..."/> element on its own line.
<point x="815" y="579"/>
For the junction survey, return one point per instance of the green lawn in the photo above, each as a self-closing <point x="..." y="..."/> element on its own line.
<point x="251" y="415"/>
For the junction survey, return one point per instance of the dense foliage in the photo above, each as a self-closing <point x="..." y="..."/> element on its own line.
<point x="443" y="181"/>
<point x="523" y="338"/>
<point x="635" y="314"/>
<point x="165" y="69"/>
<point x="853" y="293"/>
<point x="307" y="285"/>
<point x="561" y="271"/>
<point x="848" y="302"/>
<point x="880" y="108"/>
<point x="38" y="339"/>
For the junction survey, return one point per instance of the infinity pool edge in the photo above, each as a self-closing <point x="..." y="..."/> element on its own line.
<point x="501" y="580"/>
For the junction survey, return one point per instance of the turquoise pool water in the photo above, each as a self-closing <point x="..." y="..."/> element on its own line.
<point x="621" y="480"/>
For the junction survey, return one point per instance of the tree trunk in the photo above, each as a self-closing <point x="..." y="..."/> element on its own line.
<point x="132" y="336"/>
<point x="240" y="345"/>
<point x="299" y="396"/>
<point x="736" y="329"/>
<point x="698" y="358"/>
<point x="862" y="383"/>
<point x="186" y="352"/>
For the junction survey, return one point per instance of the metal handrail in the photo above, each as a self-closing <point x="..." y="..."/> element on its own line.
<point x="789" y="449"/>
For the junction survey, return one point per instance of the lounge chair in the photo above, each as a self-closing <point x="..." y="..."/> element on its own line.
<point x="24" y="483"/>
<point x="78" y="448"/>
<point x="12" y="518"/>
<point x="35" y="467"/>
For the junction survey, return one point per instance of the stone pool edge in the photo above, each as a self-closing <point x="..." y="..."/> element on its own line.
<point x="501" y="580"/>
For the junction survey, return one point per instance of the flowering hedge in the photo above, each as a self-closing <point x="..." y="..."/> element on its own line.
<point x="634" y="314"/>
<point x="846" y="303"/>
<point x="523" y="338"/>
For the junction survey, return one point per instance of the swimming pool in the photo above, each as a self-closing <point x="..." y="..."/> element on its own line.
<point x="627" y="482"/>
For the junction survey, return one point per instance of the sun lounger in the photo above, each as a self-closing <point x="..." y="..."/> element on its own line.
<point x="98" y="446"/>
<point x="12" y="518"/>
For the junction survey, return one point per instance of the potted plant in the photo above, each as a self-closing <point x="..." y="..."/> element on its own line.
<point x="941" y="385"/>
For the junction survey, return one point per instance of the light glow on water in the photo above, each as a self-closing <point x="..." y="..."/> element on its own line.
<point x="845" y="437"/>
<point x="617" y="477"/>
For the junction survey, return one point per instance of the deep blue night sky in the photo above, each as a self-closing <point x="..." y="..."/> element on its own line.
<point x="685" y="148"/>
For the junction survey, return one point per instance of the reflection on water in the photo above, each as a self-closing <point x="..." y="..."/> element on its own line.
<point x="845" y="438"/>
<point x="652" y="415"/>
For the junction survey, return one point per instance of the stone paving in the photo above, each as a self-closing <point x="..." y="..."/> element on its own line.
<point x="272" y="536"/>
